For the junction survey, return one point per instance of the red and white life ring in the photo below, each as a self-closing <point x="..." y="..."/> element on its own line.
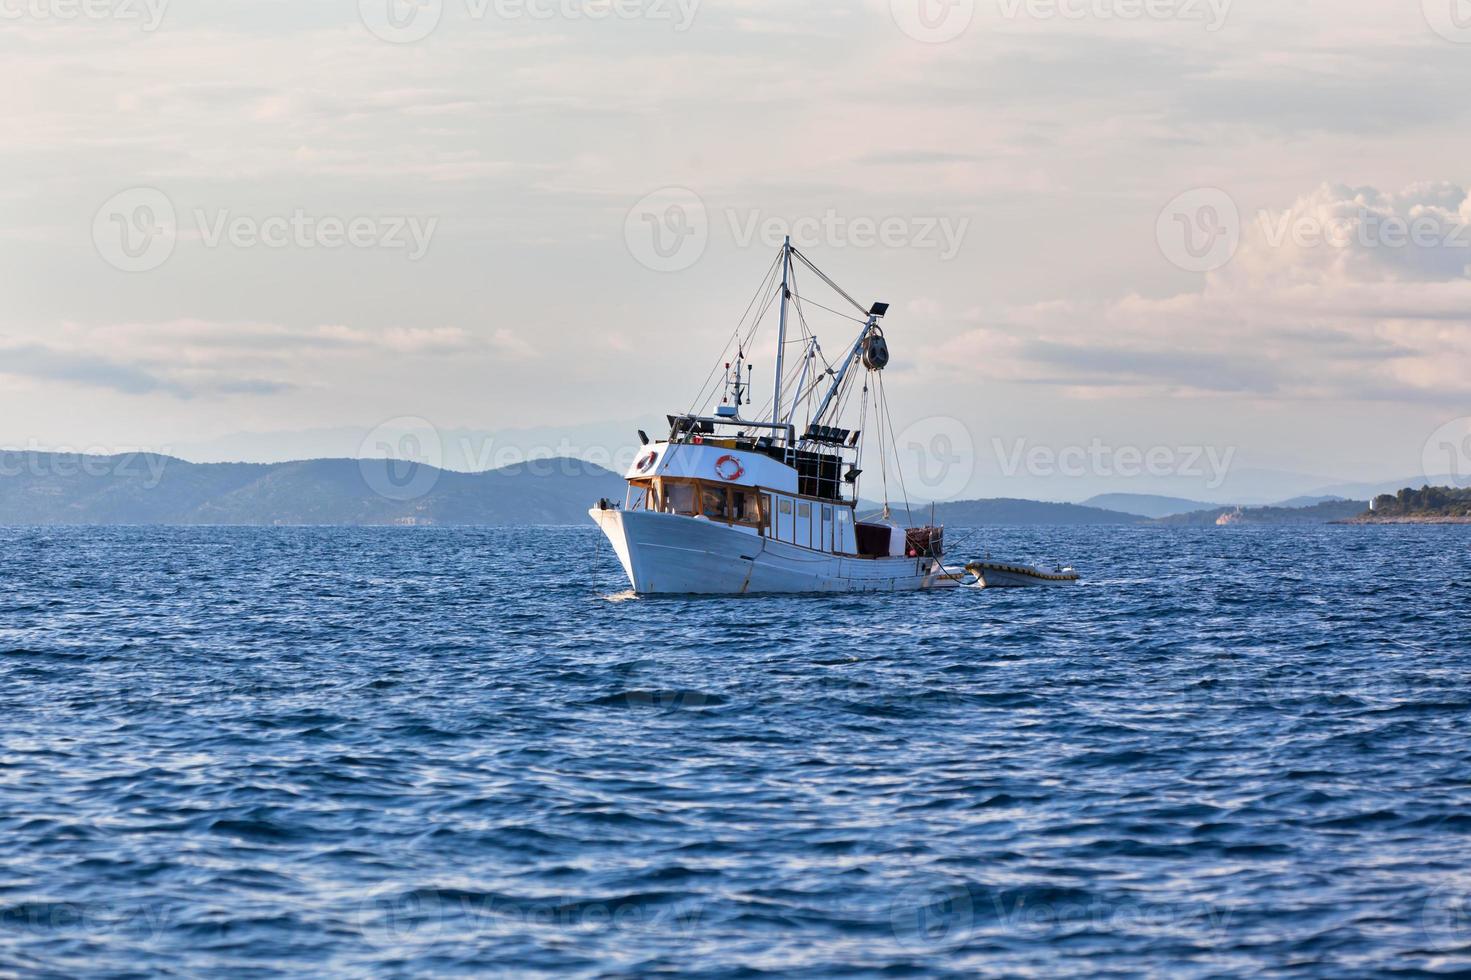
<point x="646" y="462"/>
<point x="729" y="468"/>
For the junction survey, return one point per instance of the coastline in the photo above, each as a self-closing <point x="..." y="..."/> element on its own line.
<point x="1428" y="519"/>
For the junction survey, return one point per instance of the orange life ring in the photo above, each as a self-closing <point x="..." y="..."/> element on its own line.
<point x="723" y="468"/>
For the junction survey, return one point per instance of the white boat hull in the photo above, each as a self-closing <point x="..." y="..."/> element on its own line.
<point x="667" y="554"/>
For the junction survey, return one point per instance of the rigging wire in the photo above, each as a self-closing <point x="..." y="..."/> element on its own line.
<point x="888" y="419"/>
<point x="735" y="336"/>
<point x="834" y="286"/>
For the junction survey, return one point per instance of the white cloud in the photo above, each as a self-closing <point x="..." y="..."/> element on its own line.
<point x="1348" y="293"/>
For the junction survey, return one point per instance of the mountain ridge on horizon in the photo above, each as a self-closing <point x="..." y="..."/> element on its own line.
<point x="38" y="488"/>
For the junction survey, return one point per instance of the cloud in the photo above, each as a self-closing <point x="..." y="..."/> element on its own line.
<point x="88" y="370"/>
<point x="190" y="358"/>
<point x="1349" y="293"/>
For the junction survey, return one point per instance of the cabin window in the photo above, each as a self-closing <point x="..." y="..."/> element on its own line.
<point x="804" y="509"/>
<point x="785" y="506"/>
<point x="713" y="504"/>
<point x="827" y="512"/>
<point x="746" y="506"/>
<point x="679" y="498"/>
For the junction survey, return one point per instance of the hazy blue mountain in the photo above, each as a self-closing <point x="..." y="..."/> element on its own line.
<point x="1370" y="490"/>
<point x="1004" y="511"/>
<point x="1146" y="504"/>
<point x="146" y="488"/>
<point x="1311" y="501"/>
<point x="142" y="488"/>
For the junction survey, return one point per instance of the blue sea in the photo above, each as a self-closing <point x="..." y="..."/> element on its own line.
<point x="438" y="752"/>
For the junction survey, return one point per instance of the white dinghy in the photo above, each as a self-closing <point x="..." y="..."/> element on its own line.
<point x="1008" y="575"/>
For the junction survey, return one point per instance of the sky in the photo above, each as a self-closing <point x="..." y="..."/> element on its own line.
<point x="1130" y="244"/>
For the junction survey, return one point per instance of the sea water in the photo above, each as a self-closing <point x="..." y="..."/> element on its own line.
<point x="334" y="752"/>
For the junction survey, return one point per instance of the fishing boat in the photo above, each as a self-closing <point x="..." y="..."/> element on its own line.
<point x="1008" y="575"/>
<point x="740" y="501"/>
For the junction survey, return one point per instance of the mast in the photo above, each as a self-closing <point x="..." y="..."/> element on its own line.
<point x="853" y="355"/>
<point x="781" y="337"/>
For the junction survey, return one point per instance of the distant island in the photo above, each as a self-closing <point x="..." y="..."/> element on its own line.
<point x="1428" y="505"/>
<point x="1326" y="512"/>
<point x="38" y="489"/>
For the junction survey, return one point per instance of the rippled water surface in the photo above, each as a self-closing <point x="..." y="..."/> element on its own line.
<point x="414" y="752"/>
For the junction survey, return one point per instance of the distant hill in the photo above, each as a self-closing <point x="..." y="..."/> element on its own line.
<point x="1324" y="513"/>
<point x="1145" y="504"/>
<point x="1428" y="505"/>
<point x="143" y="488"/>
<point x="980" y="513"/>
<point x="1311" y="501"/>
<point x="1370" y="490"/>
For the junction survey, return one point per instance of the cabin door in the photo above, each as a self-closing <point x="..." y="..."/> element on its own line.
<point x="783" y="517"/>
